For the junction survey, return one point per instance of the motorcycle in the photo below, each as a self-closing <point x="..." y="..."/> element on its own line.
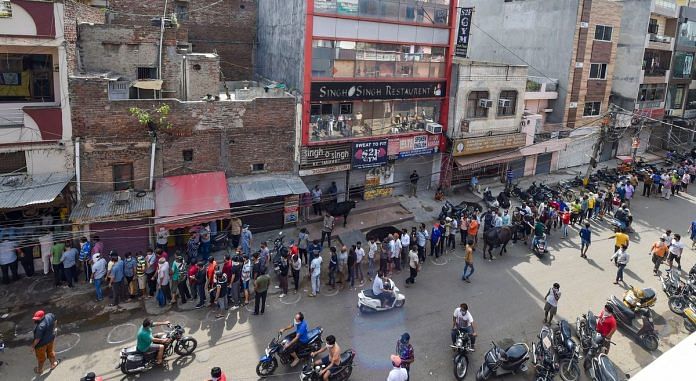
<point x="368" y="301"/>
<point x="133" y="361"/>
<point x="503" y="200"/>
<point x="568" y="352"/>
<point x="636" y="298"/>
<point x="462" y="347"/>
<point x="539" y="248"/>
<point x="690" y="318"/>
<point x="488" y="198"/>
<point x="626" y="318"/>
<point x="670" y="282"/>
<point x="602" y="369"/>
<point x="683" y="296"/>
<point x="452" y="211"/>
<point x="544" y="359"/>
<point x="268" y="362"/>
<point x="586" y="329"/>
<point x="498" y="362"/>
<point x="311" y="372"/>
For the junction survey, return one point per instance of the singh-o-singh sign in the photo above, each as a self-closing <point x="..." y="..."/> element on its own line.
<point x="342" y="91"/>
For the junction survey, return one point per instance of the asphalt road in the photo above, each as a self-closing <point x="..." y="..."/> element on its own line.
<point x="505" y="298"/>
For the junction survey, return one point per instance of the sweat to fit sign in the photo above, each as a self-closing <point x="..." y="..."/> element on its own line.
<point x="340" y="91"/>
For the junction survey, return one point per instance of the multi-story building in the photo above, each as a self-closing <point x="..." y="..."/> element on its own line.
<point x="372" y="78"/>
<point x="574" y="41"/>
<point x="36" y="147"/>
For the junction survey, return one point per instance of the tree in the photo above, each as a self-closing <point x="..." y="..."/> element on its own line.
<point x="153" y="118"/>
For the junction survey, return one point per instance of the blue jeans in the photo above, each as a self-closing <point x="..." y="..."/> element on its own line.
<point x="619" y="272"/>
<point x="97" y="288"/>
<point x="201" y="294"/>
<point x="467" y="266"/>
<point x="332" y="278"/>
<point x="316" y="281"/>
<point x="205" y="250"/>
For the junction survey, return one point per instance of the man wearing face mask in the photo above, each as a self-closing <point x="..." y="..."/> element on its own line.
<point x="301" y="337"/>
<point x="332" y="360"/>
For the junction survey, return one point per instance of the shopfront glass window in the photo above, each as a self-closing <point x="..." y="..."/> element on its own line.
<point x="26" y="78"/>
<point x="433" y="12"/>
<point x="342" y="120"/>
<point x="687" y="34"/>
<point x="682" y="64"/>
<point x="348" y="59"/>
<point x="477" y="104"/>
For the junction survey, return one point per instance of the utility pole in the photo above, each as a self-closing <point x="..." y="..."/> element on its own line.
<point x="597" y="147"/>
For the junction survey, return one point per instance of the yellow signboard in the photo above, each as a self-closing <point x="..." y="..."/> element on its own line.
<point x="474" y="145"/>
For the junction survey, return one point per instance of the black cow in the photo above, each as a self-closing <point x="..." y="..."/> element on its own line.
<point x="337" y="209"/>
<point x="497" y="237"/>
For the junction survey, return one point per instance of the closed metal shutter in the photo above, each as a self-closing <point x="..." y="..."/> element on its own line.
<point x="517" y="167"/>
<point x="543" y="164"/>
<point x="123" y="236"/>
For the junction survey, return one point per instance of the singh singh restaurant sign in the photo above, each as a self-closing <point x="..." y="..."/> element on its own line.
<point x="340" y="91"/>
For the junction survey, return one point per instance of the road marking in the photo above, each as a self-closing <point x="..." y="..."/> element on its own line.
<point x="69" y="337"/>
<point x="129" y="328"/>
<point x="283" y="300"/>
<point x="432" y="260"/>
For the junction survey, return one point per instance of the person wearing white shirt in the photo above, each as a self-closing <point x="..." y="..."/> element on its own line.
<point x="621" y="260"/>
<point x="397" y="373"/>
<point x="675" y="251"/>
<point x="162" y="238"/>
<point x="359" y="255"/>
<point x="462" y="320"/>
<point x="315" y="268"/>
<point x="371" y="251"/>
<point x="498" y="220"/>
<point x="405" y="244"/>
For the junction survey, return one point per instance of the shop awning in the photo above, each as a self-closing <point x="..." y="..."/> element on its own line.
<point x="17" y="191"/>
<point x="490" y="158"/>
<point x="150" y="84"/>
<point x="113" y="206"/>
<point x="188" y="200"/>
<point x="248" y="188"/>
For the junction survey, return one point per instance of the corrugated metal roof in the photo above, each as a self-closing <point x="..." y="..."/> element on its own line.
<point x="256" y="187"/>
<point x="108" y="206"/>
<point x="17" y="191"/>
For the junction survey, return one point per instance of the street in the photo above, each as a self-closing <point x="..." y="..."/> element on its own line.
<point x="505" y="298"/>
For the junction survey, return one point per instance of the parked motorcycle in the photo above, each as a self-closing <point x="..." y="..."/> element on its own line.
<point x="636" y="298"/>
<point x="568" y="352"/>
<point x="670" y="282"/>
<point x="586" y="329"/>
<point x="626" y="318"/>
<point x="311" y="372"/>
<point x="462" y="347"/>
<point x="276" y="348"/>
<point x="690" y="318"/>
<point x="544" y="359"/>
<point x="498" y="362"/>
<point x="452" y="211"/>
<point x="602" y="369"/>
<point x="684" y="296"/>
<point x="133" y="361"/>
<point x="368" y="301"/>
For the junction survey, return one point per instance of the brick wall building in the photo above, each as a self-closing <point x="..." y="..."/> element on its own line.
<point x="226" y="27"/>
<point x="74" y="14"/>
<point x="230" y="136"/>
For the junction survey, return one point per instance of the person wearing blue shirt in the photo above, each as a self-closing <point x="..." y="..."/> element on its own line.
<point x="85" y="256"/>
<point x="435" y="237"/>
<point x="585" y="240"/>
<point x="301" y="337"/>
<point x="116" y="282"/>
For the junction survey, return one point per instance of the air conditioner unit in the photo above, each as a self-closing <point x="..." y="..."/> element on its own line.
<point x="485" y="103"/>
<point x="121" y="197"/>
<point x="434" y="128"/>
<point x="578" y="65"/>
<point x="584" y="25"/>
<point x="669" y="112"/>
<point x="503" y="103"/>
<point x="573" y="105"/>
<point x="184" y="47"/>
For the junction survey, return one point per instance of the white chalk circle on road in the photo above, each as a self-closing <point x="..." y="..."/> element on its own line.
<point x="286" y="300"/>
<point x="436" y="263"/>
<point x="66" y="342"/>
<point x="122" y="333"/>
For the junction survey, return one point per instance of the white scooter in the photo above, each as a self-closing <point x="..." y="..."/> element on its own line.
<point x="367" y="301"/>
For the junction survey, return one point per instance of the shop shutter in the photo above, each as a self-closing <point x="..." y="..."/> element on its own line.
<point x="543" y="164"/>
<point x="517" y="167"/>
<point x="123" y="236"/>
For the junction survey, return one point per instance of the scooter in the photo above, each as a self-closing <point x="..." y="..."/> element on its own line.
<point x="133" y="361"/>
<point x="544" y="359"/>
<point x="602" y="369"/>
<point x="568" y="352"/>
<point x="626" y="318"/>
<point x="498" y="362"/>
<point x="268" y="362"/>
<point x="690" y="318"/>
<point x="368" y="301"/>
<point x="311" y="372"/>
<point x="462" y="347"/>
<point x="636" y="298"/>
<point x="539" y="248"/>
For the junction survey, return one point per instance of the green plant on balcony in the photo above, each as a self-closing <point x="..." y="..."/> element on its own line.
<point x="153" y="118"/>
<point x="533" y="86"/>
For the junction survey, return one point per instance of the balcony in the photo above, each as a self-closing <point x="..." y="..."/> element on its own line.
<point x="541" y="88"/>
<point x="667" y="8"/>
<point x="659" y="42"/>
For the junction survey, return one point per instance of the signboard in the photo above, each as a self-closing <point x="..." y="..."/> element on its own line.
<point x="413" y="146"/>
<point x="5" y="9"/>
<point x="635" y="143"/>
<point x="469" y="146"/>
<point x="331" y="155"/>
<point x="291" y="209"/>
<point x="462" y="47"/>
<point x="335" y="91"/>
<point x="369" y="154"/>
<point x="376" y="181"/>
<point x="323" y="170"/>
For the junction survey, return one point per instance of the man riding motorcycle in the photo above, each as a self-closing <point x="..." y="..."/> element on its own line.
<point x="301" y="337"/>
<point x="462" y="320"/>
<point x="539" y="233"/>
<point x="332" y="361"/>
<point x="623" y="217"/>
<point x="385" y="295"/>
<point x="147" y="343"/>
<point x="606" y="325"/>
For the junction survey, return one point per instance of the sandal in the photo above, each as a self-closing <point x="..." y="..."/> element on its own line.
<point x="54" y="365"/>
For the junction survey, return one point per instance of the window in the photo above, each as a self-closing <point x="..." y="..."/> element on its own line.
<point x="422" y="11"/>
<point x="652" y="93"/>
<point x="676" y="97"/>
<point x="187" y="154"/>
<point x="147" y="73"/>
<point x="13" y="162"/>
<point x="473" y="105"/>
<point x="26" y="78"/>
<point x="603" y="32"/>
<point x="507" y="103"/>
<point x="123" y="176"/>
<point x="346" y="108"/>
<point x="687" y="33"/>
<point x="653" y="27"/>
<point x="598" y="71"/>
<point x="656" y="62"/>
<point x="591" y="108"/>
<point x="258" y="167"/>
<point x="682" y="65"/>
<point x="181" y="12"/>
